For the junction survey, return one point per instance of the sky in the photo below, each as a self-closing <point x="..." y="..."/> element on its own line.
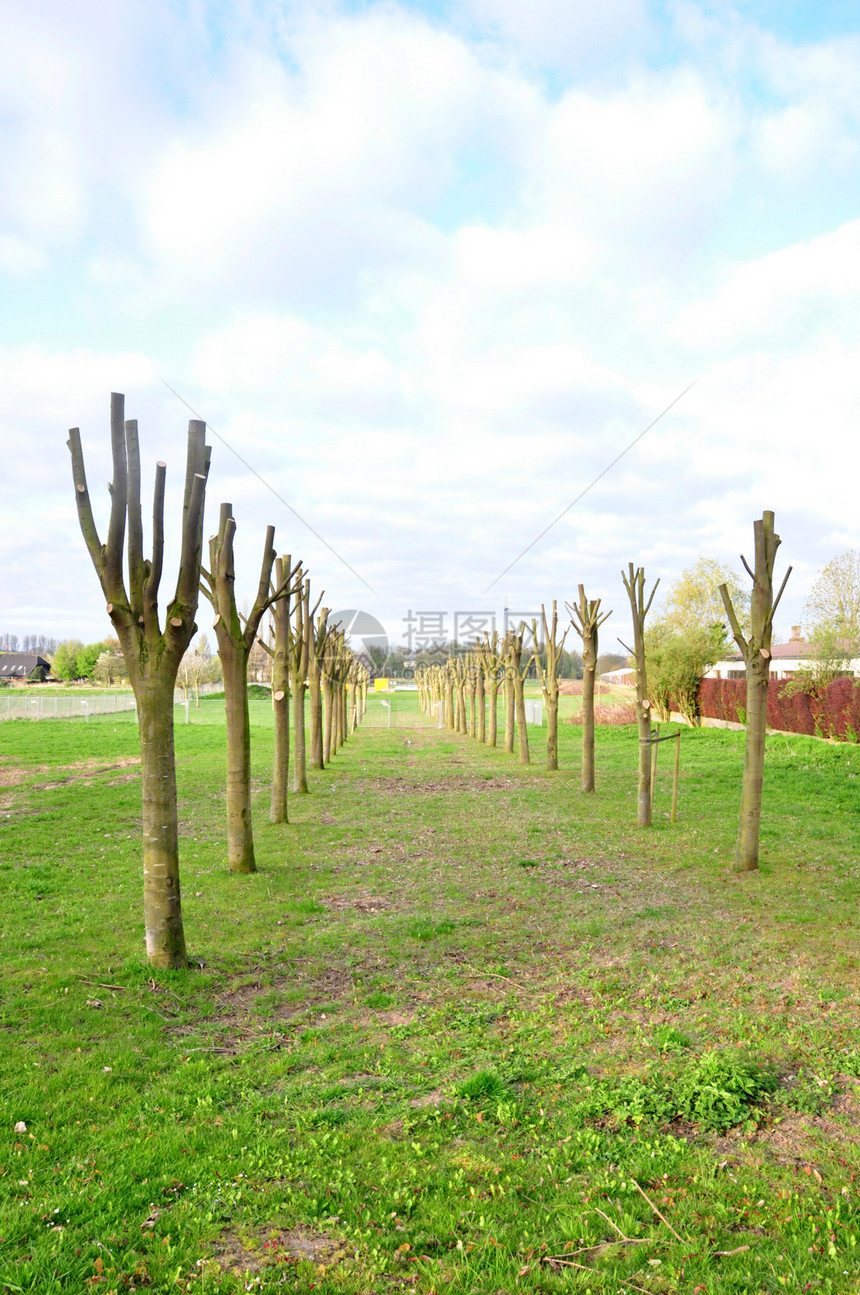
<point x="428" y="268"/>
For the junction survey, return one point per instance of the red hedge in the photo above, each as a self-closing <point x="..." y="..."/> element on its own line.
<point x="831" y="711"/>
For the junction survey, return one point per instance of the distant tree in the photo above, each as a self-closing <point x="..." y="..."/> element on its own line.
<point x="570" y="665"/>
<point x="196" y="669"/>
<point x="676" y="664"/>
<point x="832" y="617"/>
<point x="86" y="660"/>
<point x="109" y="668"/>
<point x="609" y="661"/>
<point x="65" y="660"/>
<point x="378" y="658"/>
<point x="693" y="602"/>
<point x="8" y="642"/>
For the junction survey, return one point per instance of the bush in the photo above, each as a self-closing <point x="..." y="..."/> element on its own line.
<point x="818" y="710"/>
<point x="719" y="1089"/>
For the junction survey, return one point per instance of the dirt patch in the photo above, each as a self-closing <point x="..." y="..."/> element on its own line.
<point x="435" y="1098"/>
<point x="807" y="1140"/>
<point x="363" y="903"/>
<point x="87" y="770"/>
<point x="268" y="1247"/>
<point x="455" y="783"/>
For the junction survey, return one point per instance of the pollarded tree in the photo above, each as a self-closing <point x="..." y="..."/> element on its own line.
<point x="152" y="655"/>
<point x="318" y="641"/>
<point x="235" y="641"/>
<point x="491" y="661"/>
<point x="548" y="675"/>
<point x="300" y="647"/>
<point x="278" y="648"/>
<point x="634" y="583"/>
<point x="586" y="619"/>
<point x="755" y="648"/>
<point x="517" y="665"/>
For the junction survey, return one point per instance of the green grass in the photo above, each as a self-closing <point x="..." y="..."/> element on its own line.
<point x="457" y="1020"/>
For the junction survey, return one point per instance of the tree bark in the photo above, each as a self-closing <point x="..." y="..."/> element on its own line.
<point x="234" y="648"/>
<point x="634" y="582"/>
<point x="162" y="903"/>
<point x="152" y="656"/>
<point x="586" y="619"/>
<point x="756" y="650"/>
<point x="240" y="834"/>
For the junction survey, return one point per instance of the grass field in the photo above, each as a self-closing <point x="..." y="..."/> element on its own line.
<point x="466" y="1030"/>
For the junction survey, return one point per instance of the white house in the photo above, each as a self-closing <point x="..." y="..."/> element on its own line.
<point x="786" y="660"/>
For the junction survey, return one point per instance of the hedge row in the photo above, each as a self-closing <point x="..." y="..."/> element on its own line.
<point x="830" y="711"/>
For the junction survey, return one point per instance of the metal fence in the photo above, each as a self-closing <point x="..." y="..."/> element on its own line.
<point x="15" y="704"/>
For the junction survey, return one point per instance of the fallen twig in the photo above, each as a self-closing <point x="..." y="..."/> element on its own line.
<point x="494" y="975"/>
<point x="101" y="985"/>
<point x="738" y="1250"/>
<point x="569" y="1263"/>
<point x="632" y="1241"/>
<point x="656" y="1211"/>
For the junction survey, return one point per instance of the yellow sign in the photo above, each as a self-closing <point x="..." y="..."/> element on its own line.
<point x="380" y="685"/>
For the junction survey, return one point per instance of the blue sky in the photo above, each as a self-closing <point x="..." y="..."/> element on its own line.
<point x="430" y="267"/>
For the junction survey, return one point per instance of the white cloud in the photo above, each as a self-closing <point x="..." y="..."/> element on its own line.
<point x="784" y="299"/>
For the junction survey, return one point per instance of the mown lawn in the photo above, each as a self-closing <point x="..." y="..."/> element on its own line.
<point x="466" y="1030"/>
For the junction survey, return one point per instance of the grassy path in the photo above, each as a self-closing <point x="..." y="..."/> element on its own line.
<point x="465" y="1031"/>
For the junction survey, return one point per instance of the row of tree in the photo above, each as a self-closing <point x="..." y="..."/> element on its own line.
<point x="677" y="650"/>
<point x="38" y="643"/>
<point x="153" y="652"/>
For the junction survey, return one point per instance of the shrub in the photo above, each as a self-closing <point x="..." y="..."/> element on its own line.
<point x="623" y="713"/>
<point x="720" y="1089"/>
<point x="486" y="1083"/>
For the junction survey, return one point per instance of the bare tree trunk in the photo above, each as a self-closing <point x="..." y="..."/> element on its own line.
<point x="298" y="680"/>
<point x="510" y="711"/>
<point x="328" y="721"/>
<point x="152" y="656"/>
<point x="492" y="729"/>
<point x="481" y="702"/>
<point x="522" y="731"/>
<point x="240" y="834"/>
<point x="279" y="803"/>
<point x="234" y="648"/>
<point x="548" y="675"/>
<point x="634" y="583"/>
<point x="586" y="618"/>
<point x="756" y="652"/>
<point x="162" y="907"/>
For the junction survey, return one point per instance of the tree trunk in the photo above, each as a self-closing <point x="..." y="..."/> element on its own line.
<point x="278" y="807"/>
<point x="162" y="907"/>
<point x="328" y="728"/>
<point x="552" y="733"/>
<point x="510" y="712"/>
<point x="315" y="700"/>
<point x="588" y="676"/>
<point x="492" y="728"/>
<point x="756" y="649"/>
<point x="300" y="771"/>
<point x="758" y="672"/>
<point x="481" y="702"/>
<point x="634" y="583"/>
<point x="522" y="732"/>
<point x="240" y="832"/>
